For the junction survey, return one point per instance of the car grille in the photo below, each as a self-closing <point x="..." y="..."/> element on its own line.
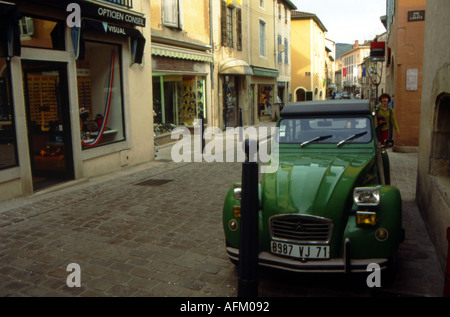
<point x="301" y="228"/>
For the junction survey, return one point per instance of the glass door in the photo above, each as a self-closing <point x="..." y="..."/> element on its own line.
<point x="48" y="122"/>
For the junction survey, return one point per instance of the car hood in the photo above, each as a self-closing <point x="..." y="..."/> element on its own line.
<point x="316" y="185"/>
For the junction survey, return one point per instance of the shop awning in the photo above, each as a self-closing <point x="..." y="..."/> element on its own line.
<point x="137" y="39"/>
<point x="265" y="72"/>
<point x="182" y="53"/>
<point x="9" y="30"/>
<point x="233" y="66"/>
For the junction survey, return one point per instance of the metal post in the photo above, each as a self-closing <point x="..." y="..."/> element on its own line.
<point x="241" y="134"/>
<point x="248" y="238"/>
<point x="202" y="129"/>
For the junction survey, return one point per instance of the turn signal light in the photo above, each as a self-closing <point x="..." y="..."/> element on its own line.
<point x="237" y="211"/>
<point x="366" y="218"/>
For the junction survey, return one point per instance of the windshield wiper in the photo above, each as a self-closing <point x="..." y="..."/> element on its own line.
<point x="355" y="136"/>
<point x="319" y="138"/>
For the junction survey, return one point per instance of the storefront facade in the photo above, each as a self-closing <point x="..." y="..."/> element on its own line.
<point x="181" y="88"/>
<point x="72" y="98"/>
<point x="265" y="81"/>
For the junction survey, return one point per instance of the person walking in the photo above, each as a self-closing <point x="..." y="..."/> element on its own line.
<point x="386" y="119"/>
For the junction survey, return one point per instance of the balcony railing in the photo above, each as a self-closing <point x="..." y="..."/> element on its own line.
<point x="123" y="3"/>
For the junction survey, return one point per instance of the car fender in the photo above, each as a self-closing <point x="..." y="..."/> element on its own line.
<point x="363" y="239"/>
<point x="232" y="235"/>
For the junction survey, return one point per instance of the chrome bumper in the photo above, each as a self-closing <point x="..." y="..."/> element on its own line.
<point x="344" y="265"/>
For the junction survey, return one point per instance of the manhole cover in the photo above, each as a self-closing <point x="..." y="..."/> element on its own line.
<point x="154" y="182"/>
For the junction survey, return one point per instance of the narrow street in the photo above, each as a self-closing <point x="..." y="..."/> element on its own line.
<point x="155" y="230"/>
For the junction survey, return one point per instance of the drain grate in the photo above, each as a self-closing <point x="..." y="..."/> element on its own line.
<point x="154" y="182"/>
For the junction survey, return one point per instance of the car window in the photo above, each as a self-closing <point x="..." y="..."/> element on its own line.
<point x="335" y="129"/>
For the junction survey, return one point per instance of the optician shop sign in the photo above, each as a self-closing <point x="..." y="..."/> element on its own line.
<point x="108" y="14"/>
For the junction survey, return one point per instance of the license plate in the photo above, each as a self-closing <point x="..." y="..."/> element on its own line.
<point x="301" y="251"/>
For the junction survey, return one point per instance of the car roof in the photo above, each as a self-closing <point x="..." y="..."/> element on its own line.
<point x="327" y="107"/>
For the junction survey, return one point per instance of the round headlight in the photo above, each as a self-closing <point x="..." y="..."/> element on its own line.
<point x="366" y="196"/>
<point x="237" y="191"/>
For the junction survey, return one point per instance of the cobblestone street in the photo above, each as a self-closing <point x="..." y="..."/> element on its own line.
<point x="155" y="230"/>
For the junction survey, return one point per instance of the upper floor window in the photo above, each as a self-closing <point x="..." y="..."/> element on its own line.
<point x="262" y="38"/>
<point x="123" y="3"/>
<point x="229" y="27"/>
<point x="262" y="4"/>
<point x="171" y="13"/>
<point x="228" y="22"/>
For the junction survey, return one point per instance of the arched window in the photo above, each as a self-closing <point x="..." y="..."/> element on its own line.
<point x="300" y="94"/>
<point x="440" y="156"/>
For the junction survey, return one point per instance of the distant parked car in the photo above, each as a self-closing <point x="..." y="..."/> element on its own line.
<point x="358" y="96"/>
<point x="338" y="95"/>
<point x="346" y="95"/>
<point x="329" y="206"/>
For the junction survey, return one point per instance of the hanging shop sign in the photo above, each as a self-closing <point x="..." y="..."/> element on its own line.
<point x="97" y="12"/>
<point x="138" y="40"/>
<point x="377" y="50"/>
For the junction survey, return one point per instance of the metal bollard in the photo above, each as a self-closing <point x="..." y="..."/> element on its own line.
<point x="447" y="271"/>
<point x="202" y="127"/>
<point x="241" y="133"/>
<point x="248" y="235"/>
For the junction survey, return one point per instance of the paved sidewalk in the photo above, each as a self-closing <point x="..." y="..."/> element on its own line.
<point x="155" y="230"/>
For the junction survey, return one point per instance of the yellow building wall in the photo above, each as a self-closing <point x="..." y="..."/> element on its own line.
<point x="300" y="54"/>
<point x="194" y="20"/>
<point x="265" y="14"/>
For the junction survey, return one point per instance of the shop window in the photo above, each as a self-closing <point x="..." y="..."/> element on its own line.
<point x="8" y="150"/>
<point x="265" y="100"/>
<point x="39" y="33"/>
<point x="100" y="99"/>
<point x="177" y="101"/>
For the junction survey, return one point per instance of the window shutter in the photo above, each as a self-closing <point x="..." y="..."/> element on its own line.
<point x="171" y="13"/>
<point x="239" y="28"/>
<point x="280" y="54"/>
<point x="223" y="21"/>
<point x="286" y="51"/>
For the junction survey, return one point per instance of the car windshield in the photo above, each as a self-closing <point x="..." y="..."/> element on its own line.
<point x="329" y="130"/>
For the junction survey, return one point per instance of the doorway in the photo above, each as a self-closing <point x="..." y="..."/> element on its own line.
<point x="48" y="122"/>
<point x="230" y="97"/>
